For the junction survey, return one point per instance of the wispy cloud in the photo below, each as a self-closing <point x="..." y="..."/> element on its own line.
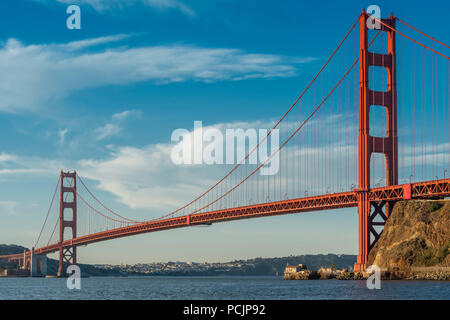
<point x="4" y="157"/>
<point x="81" y="44"/>
<point x="145" y="177"/>
<point x="35" y="76"/>
<point x="108" y="130"/>
<point x="104" y="6"/>
<point x="114" y="128"/>
<point x="138" y="177"/>
<point x="62" y="136"/>
<point x="125" y="114"/>
<point x="12" y="164"/>
<point x="8" y="207"/>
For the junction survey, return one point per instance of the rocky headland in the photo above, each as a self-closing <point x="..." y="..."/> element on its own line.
<point x="414" y="245"/>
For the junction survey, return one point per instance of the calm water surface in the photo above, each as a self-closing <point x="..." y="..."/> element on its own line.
<point x="217" y="288"/>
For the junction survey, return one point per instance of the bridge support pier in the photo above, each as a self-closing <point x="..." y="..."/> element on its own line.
<point x="372" y="217"/>
<point x="38" y="265"/>
<point x="367" y="144"/>
<point x="35" y="264"/>
<point x="23" y="261"/>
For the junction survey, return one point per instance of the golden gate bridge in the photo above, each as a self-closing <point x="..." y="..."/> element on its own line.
<point x="355" y="137"/>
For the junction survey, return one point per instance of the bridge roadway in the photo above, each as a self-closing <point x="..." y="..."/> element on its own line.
<point x="421" y="190"/>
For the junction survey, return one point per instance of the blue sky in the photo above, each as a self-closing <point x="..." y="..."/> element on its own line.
<point x="103" y="99"/>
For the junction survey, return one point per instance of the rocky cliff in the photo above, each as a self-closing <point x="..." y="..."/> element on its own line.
<point x="415" y="239"/>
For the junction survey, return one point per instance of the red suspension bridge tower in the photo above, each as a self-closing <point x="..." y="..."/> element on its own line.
<point x="367" y="144"/>
<point x="67" y="218"/>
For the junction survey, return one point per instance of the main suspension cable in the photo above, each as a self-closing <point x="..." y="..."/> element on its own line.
<point x="423" y="33"/>
<point x="48" y="212"/>
<point x="294" y="133"/>
<point x="270" y="131"/>
<point x="111" y="211"/>
<point x="419" y="43"/>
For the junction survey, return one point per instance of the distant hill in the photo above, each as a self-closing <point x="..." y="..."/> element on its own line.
<point x="86" y="269"/>
<point x="270" y="266"/>
<point x="11" y="249"/>
<point x="255" y="266"/>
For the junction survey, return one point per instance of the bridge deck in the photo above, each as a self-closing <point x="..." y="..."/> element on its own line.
<point x="421" y="190"/>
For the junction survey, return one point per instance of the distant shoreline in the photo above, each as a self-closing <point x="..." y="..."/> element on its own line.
<point x="250" y="267"/>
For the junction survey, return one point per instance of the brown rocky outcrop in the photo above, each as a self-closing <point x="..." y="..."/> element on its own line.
<point x="415" y="242"/>
<point x="414" y="245"/>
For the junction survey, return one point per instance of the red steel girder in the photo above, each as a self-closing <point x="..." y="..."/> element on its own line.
<point x="420" y="190"/>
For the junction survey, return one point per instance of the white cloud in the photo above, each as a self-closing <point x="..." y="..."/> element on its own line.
<point x="139" y="177"/>
<point x="108" y="130"/>
<point x="35" y="76"/>
<point x="125" y="114"/>
<point x="4" y="157"/>
<point x="103" y="6"/>
<point x="8" y="207"/>
<point x="62" y="135"/>
<point x="114" y="128"/>
<point x="170" y="4"/>
<point x="145" y="178"/>
<point x="106" y="6"/>
<point x="11" y="164"/>
<point x="81" y="44"/>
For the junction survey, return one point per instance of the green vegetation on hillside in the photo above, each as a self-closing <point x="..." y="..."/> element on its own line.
<point x="11" y="249"/>
<point x="269" y="266"/>
<point x="433" y="256"/>
<point x="256" y="266"/>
